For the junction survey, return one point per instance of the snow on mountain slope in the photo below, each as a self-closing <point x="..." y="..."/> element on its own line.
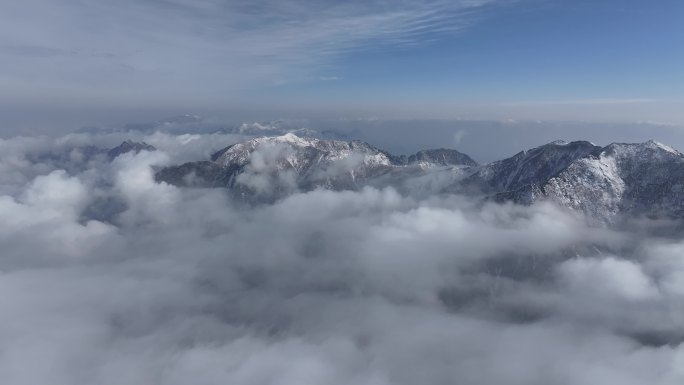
<point x="440" y="157"/>
<point x="274" y="128"/>
<point x="299" y="153"/>
<point x="528" y="167"/>
<point x="292" y="162"/>
<point x="642" y="178"/>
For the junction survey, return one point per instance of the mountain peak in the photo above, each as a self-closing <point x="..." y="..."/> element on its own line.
<point x="129" y="146"/>
<point x="293" y="139"/>
<point x="648" y="149"/>
<point x="308" y="163"/>
<point x="441" y="157"/>
<point x="287" y="138"/>
<point x="655" y="144"/>
<point x="602" y="182"/>
<point x="565" y="143"/>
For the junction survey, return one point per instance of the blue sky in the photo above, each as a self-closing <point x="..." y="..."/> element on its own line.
<point x="542" y="51"/>
<point x="615" y="60"/>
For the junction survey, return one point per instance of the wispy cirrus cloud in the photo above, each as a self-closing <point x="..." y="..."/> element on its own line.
<point x="208" y="48"/>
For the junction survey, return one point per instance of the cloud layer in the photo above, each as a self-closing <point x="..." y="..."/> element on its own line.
<point x="185" y="286"/>
<point x="146" y="52"/>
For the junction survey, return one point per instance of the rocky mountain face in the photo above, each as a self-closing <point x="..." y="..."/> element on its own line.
<point x="527" y="167"/>
<point x="129" y="146"/>
<point x="603" y="182"/>
<point x="289" y="163"/>
<point x="440" y="157"/>
<point x="641" y="179"/>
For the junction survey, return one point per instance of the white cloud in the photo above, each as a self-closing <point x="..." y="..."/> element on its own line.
<point x="458" y="136"/>
<point x="186" y="286"/>
<point x="136" y="50"/>
<point x="608" y="277"/>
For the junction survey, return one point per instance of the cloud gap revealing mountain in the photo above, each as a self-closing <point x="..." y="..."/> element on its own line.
<point x="602" y="182"/>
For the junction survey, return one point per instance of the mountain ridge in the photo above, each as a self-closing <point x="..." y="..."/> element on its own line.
<point x="602" y="182"/>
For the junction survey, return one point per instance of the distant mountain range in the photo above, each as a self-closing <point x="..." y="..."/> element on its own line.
<point x="602" y="182"/>
<point x="191" y="123"/>
<point x="77" y="158"/>
<point x="636" y="179"/>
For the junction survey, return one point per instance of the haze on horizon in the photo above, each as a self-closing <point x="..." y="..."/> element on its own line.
<point x="71" y="63"/>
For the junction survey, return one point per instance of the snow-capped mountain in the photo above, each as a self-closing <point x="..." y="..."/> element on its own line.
<point x="641" y="179"/>
<point x="527" y="167"/>
<point x="195" y="124"/>
<point x="603" y="182"/>
<point x="440" y="157"/>
<point x="274" y="128"/>
<point x="291" y="162"/>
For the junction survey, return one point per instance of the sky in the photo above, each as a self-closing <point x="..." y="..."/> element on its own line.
<point x="609" y="60"/>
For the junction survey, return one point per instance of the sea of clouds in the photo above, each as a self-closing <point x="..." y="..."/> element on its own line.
<point x="107" y="277"/>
